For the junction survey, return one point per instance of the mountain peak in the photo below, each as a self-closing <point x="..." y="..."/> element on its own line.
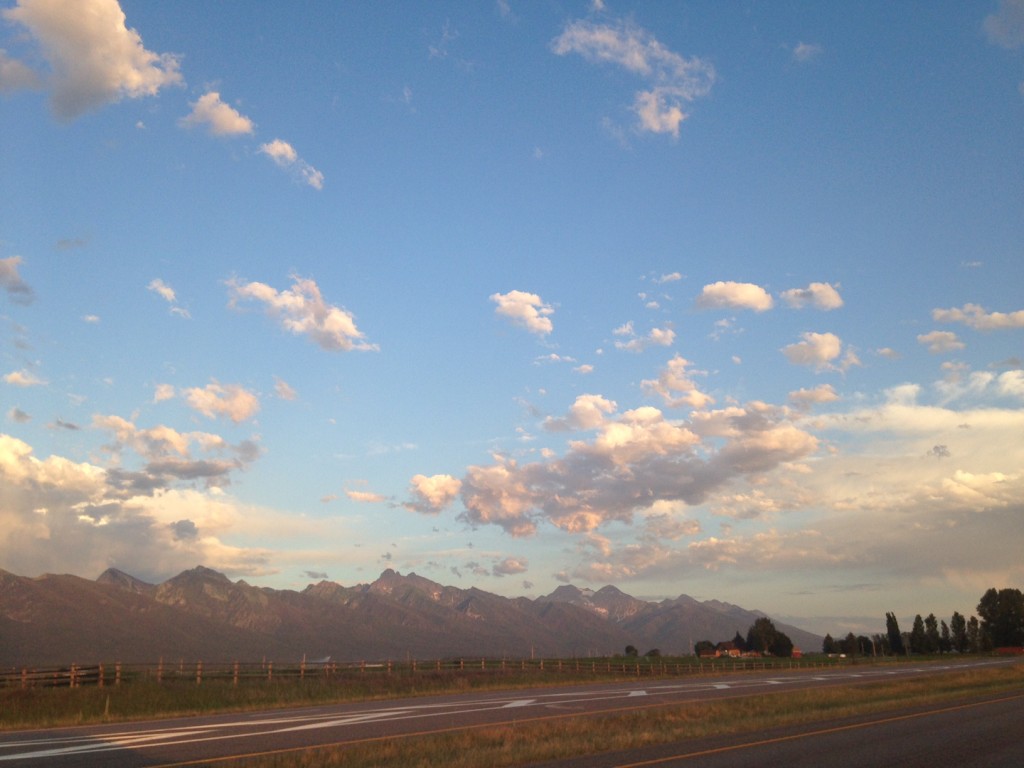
<point x="122" y="580"/>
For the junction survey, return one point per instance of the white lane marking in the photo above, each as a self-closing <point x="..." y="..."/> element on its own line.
<point x="519" y="703"/>
<point x="256" y="726"/>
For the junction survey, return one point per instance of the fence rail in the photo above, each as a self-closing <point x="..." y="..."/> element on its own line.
<point x="239" y="673"/>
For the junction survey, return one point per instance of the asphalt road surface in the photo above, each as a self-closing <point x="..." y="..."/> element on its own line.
<point x="196" y="739"/>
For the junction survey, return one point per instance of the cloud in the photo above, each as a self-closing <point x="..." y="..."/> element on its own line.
<point x="525" y="310"/>
<point x="805" y="398"/>
<point x="818" y="295"/>
<point x="817" y="349"/>
<point x="672" y="81"/>
<point x="285" y="156"/>
<point x="232" y="401"/>
<point x="220" y="119"/>
<point x="676" y="388"/>
<point x="656" y="337"/>
<point x="510" y="566"/>
<point x="1005" y="27"/>
<point x="23" y="378"/>
<point x="164" y="291"/>
<point x="15" y="76"/>
<point x="94" y="58"/>
<point x="587" y="412"/>
<point x="61" y="515"/>
<point x="636" y="461"/>
<point x="804" y="52"/>
<point x="975" y="316"/>
<point x="820" y="350"/>
<point x="366" y="497"/>
<point x="18" y="416"/>
<point x="734" y="295"/>
<point x="434" y="493"/>
<point x="301" y="310"/>
<point x="939" y="342"/>
<point x="163" y="392"/>
<point x="284" y="390"/>
<point x="17" y="289"/>
<point x="671" y="277"/>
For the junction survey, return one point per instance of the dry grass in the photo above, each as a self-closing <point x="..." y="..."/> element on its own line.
<point x="530" y="742"/>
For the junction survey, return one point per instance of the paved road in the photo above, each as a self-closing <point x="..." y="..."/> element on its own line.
<point x="976" y="733"/>
<point x="170" y="742"/>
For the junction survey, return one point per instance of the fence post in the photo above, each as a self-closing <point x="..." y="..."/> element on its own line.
<point x="270" y="671"/>
<point x="482" y="665"/>
<point x="199" y="672"/>
<point x="160" y="671"/>
<point x="99" y="677"/>
<point x="73" y="676"/>
<point x="235" y="677"/>
<point x="24" y="678"/>
<point x="117" y="673"/>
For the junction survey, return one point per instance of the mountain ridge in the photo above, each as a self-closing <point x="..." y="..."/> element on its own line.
<point x="201" y="614"/>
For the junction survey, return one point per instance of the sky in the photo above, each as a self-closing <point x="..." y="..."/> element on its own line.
<point x="716" y="299"/>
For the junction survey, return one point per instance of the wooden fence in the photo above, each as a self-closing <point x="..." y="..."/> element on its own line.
<point x="238" y="673"/>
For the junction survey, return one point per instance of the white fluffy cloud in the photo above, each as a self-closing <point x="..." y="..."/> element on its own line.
<point x="526" y="310"/>
<point x="284" y="156"/>
<point x="731" y="295"/>
<point x="23" y="378"/>
<point x="939" y="342"/>
<point x="975" y="316"/>
<point x="302" y="310"/>
<point x="94" y="59"/>
<point x="231" y="400"/>
<point x="676" y="387"/>
<point x="587" y="412"/>
<point x="817" y="295"/>
<point x="61" y="515"/>
<point x="434" y="493"/>
<point x="656" y="337"/>
<point x="220" y="118"/>
<point x="816" y="349"/>
<point x="805" y="398"/>
<point x="672" y="80"/>
<point x="635" y="462"/>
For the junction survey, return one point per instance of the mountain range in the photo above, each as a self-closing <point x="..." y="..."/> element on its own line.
<point x="200" y="614"/>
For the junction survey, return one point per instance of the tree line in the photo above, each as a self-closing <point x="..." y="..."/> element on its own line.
<point x="762" y="637"/>
<point x="1001" y="625"/>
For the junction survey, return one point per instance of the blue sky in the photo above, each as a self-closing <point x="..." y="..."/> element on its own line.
<point x="720" y="299"/>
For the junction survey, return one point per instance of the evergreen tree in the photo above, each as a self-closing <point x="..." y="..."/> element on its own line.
<point x="945" y="639"/>
<point x="828" y="645"/>
<point x="931" y="634"/>
<point x="892" y="629"/>
<point x="918" y="638"/>
<point x="958" y="628"/>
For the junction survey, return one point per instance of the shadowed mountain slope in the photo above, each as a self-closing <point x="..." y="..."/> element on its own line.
<point x="200" y="614"/>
